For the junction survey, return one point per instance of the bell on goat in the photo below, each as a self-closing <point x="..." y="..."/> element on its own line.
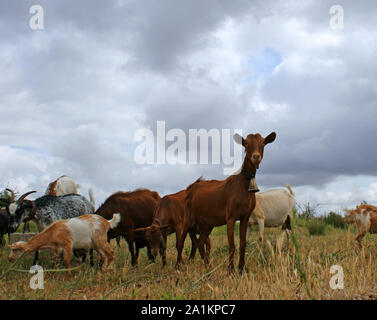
<point x="253" y="186"/>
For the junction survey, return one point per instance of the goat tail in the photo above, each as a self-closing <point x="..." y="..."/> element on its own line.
<point x="114" y="221"/>
<point x="91" y="197"/>
<point x="290" y="189"/>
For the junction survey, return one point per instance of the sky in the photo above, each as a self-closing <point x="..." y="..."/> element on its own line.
<point x="73" y="94"/>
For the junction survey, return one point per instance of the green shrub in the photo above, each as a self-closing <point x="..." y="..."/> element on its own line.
<point x="316" y="227"/>
<point x="300" y="222"/>
<point x="335" y="220"/>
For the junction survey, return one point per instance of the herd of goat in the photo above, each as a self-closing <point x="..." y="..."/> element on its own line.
<point x="68" y="223"/>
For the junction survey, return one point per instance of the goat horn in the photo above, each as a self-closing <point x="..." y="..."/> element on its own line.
<point x="164" y="226"/>
<point x="24" y="196"/>
<point x="141" y="229"/>
<point x="13" y="197"/>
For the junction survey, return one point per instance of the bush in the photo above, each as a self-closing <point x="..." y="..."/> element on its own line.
<point x="335" y="220"/>
<point x="308" y="210"/>
<point x="300" y="222"/>
<point x="316" y="227"/>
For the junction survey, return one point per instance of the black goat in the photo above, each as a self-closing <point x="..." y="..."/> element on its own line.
<point x="4" y="226"/>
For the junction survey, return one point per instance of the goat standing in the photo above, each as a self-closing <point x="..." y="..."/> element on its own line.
<point x="136" y="209"/>
<point x="213" y="203"/>
<point x="365" y="216"/>
<point x="273" y="209"/>
<point x="168" y="218"/>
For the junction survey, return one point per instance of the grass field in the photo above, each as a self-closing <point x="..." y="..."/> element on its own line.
<point x="269" y="276"/>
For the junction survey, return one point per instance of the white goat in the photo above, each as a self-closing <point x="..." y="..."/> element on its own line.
<point x="62" y="186"/>
<point x="273" y="209"/>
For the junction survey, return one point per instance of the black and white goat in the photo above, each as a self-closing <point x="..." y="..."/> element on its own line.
<point x="4" y="226"/>
<point x="5" y="216"/>
<point x="59" y="187"/>
<point x="48" y="209"/>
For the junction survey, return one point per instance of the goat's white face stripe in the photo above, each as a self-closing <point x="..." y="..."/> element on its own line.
<point x="12" y="208"/>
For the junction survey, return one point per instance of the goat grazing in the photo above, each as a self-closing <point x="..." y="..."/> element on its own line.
<point x="365" y="216"/>
<point x="273" y="208"/>
<point x="168" y="218"/>
<point x="47" y="209"/>
<point x="82" y="233"/>
<point x="213" y="203"/>
<point x="136" y="209"/>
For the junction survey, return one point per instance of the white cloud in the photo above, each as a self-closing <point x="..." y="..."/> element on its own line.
<point x="73" y="95"/>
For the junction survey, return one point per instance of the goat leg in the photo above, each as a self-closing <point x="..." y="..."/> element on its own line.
<point x="36" y="258"/>
<point x="150" y="256"/>
<point x="91" y="257"/>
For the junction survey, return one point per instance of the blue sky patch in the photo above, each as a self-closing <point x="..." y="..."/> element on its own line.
<point x="261" y="64"/>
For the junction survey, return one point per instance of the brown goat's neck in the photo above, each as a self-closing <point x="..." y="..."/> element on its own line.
<point x="106" y="210"/>
<point x="248" y="170"/>
<point x="36" y="242"/>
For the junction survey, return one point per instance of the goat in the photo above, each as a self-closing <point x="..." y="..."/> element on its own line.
<point x="365" y="216"/>
<point x="5" y="216"/>
<point x="46" y="210"/>
<point x="85" y="232"/>
<point x="4" y="226"/>
<point x="168" y="218"/>
<point x="273" y="208"/>
<point x="62" y="186"/>
<point x="213" y="203"/>
<point x="136" y="209"/>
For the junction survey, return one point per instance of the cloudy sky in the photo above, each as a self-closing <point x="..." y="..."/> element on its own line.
<point x="73" y="95"/>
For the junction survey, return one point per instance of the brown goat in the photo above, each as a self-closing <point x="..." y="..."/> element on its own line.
<point x="136" y="209"/>
<point x="213" y="203"/>
<point x="365" y="216"/>
<point x="85" y="232"/>
<point x="168" y="219"/>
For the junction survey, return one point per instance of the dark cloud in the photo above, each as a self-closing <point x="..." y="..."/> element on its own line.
<point x="74" y="94"/>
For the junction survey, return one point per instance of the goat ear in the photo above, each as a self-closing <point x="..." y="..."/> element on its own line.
<point x="270" y="138"/>
<point x="238" y="139"/>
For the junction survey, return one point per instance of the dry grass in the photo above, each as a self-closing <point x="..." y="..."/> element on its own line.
<point x="270" y="276"/>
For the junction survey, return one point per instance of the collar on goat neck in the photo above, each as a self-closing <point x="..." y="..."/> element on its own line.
<point x="248" y="173"/>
